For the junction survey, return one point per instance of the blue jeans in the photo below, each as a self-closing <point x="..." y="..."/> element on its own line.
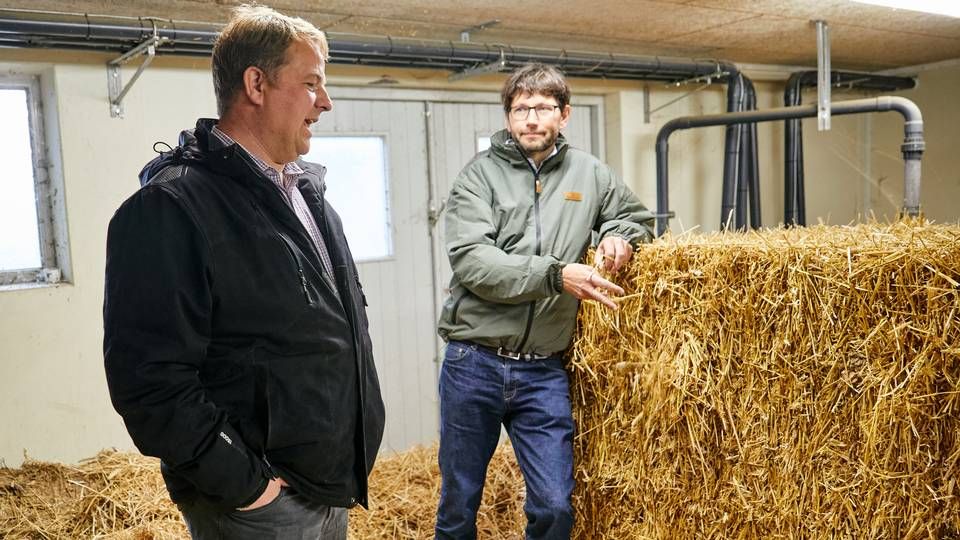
<point x="479" y="391"/>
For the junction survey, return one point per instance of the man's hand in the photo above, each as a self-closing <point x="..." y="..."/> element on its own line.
<point x="612" y="253"/>
<point x="585" y="283"/>
<point x="268" y="495"/>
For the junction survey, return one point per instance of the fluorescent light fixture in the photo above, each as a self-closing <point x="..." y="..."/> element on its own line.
<point x="949" y="8"/>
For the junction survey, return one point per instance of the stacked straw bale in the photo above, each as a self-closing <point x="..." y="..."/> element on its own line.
<point x="796" y="383"/>
<point x="121" y="496"/>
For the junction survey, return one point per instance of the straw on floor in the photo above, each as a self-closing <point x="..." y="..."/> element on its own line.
<point x="120" y="496"/>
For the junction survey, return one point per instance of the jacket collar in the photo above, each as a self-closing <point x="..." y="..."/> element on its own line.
<point x="503" y="146"/>
<point x="199" y="146"/>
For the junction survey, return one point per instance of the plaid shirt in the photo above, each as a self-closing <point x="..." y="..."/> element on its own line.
<point x="287" y="184"/>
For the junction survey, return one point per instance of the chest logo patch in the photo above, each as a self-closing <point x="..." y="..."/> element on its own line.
<point x="573" y="196"/>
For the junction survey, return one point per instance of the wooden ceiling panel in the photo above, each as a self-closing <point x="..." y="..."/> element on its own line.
<point x="643" y="21"/>
<point x="771" y="39"/>
<point x="746" y="31"/>
<point x="845" y="12"/>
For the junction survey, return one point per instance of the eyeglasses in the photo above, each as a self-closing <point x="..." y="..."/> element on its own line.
<point x="542" y="112"/>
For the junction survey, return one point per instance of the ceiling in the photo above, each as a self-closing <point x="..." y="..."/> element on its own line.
<point x="777" y="32"/>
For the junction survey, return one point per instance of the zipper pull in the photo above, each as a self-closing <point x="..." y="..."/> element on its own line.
<point x="303" y="283"/>
<point x="539" y="186"/>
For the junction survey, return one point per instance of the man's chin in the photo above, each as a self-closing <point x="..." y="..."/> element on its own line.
<point x="539" y="146"/>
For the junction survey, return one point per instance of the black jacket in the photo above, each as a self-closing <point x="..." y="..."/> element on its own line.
<point x="227" y="354"/>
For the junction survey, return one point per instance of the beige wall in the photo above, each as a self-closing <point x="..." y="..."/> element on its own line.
<point x="52" y="389"/>
<point x="937" y="96"/>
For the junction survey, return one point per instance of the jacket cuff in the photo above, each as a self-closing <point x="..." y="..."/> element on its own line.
<point x="556" y="276"/>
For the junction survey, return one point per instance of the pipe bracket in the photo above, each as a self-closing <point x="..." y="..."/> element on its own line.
<point x="116" y="90"/>
<point x="490" y="67"/>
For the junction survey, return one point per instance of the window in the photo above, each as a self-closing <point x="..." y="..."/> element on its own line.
<point x="483" y="142"/>
<point x="358" y="188"/>
<point x="28" y="247"/>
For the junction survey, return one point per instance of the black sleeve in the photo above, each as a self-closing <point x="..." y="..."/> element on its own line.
<point x="156" y="316"/>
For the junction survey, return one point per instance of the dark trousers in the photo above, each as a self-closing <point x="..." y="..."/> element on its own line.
<point x="479" y="392"/>
<point x="288" y="517"/>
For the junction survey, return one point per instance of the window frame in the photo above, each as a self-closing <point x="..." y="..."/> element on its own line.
<point x="50" y="270"/>
<point x="384" y="139"/>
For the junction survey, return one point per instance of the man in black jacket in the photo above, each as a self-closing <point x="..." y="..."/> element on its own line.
<point x="236" y="345"/>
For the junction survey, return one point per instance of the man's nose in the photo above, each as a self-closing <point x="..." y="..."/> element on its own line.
<point x="323" y="101"/>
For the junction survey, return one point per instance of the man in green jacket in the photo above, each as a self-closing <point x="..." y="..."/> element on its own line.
<point x="519" y="217"/>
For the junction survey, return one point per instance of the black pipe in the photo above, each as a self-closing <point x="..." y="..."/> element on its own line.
<point x="794" y="211"/>
<point x="752" y="172"/>
<point x="791" y="154"/>
<point x="23" y="28"/>
<point x="732" y="145"/>
<point x="743" y="169"/>
<point x="912" y="147"/>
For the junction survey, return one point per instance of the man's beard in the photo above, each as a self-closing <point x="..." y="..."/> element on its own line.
<point x="539" y="145"/>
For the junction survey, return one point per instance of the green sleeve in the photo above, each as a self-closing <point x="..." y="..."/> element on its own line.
<point x="478" y="263"/>
<point x="621" y="212"/>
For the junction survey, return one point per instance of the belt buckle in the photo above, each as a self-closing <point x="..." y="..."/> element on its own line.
<point x="508" y="354"/>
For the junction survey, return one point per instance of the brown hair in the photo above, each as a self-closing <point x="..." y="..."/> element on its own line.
<point x="256" y="36"/>
<point x="535" y="79"/>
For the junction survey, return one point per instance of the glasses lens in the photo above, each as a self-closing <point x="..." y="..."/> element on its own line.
<point x="544" y="111"/>
<point x="520" y="113"/>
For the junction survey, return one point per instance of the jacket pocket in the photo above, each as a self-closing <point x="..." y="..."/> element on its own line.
<point x="311" y="411"/>
<point x="455" y="310"/>
<point x="455" y="352"/>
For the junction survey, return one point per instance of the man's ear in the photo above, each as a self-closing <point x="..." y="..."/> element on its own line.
<point x="254" y="79"/>
<point x="565" y="115"/>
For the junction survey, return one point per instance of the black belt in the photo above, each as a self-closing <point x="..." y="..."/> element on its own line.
<point x="526" y="357"/>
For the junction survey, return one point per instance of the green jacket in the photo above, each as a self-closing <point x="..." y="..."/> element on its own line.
<point x="507" y="243"/>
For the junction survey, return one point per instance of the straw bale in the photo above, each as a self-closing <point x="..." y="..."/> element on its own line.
<point x="797" y="383"/>
<point x="121" y="496"/>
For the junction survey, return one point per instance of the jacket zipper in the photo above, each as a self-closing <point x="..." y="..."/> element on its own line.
<point x="292" y="254"/>
<point x="363" y="296"/>
<point x="358" y="347"/>
<point x="536" y="220"/>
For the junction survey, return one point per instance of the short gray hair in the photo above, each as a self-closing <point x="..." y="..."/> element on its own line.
<point x="256" y="36"/>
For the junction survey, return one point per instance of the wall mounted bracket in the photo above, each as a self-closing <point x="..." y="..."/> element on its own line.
<point x="115" y="87"/>
<point x="490" y="67"/>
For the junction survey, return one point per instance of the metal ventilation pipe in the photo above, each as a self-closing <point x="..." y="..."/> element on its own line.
<point x="741" y="171"/>
<point x="21" y="28"/>
<point x="794" y="211"/>
<point x="38" y="29"/>
<point x="912" y="147"/>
